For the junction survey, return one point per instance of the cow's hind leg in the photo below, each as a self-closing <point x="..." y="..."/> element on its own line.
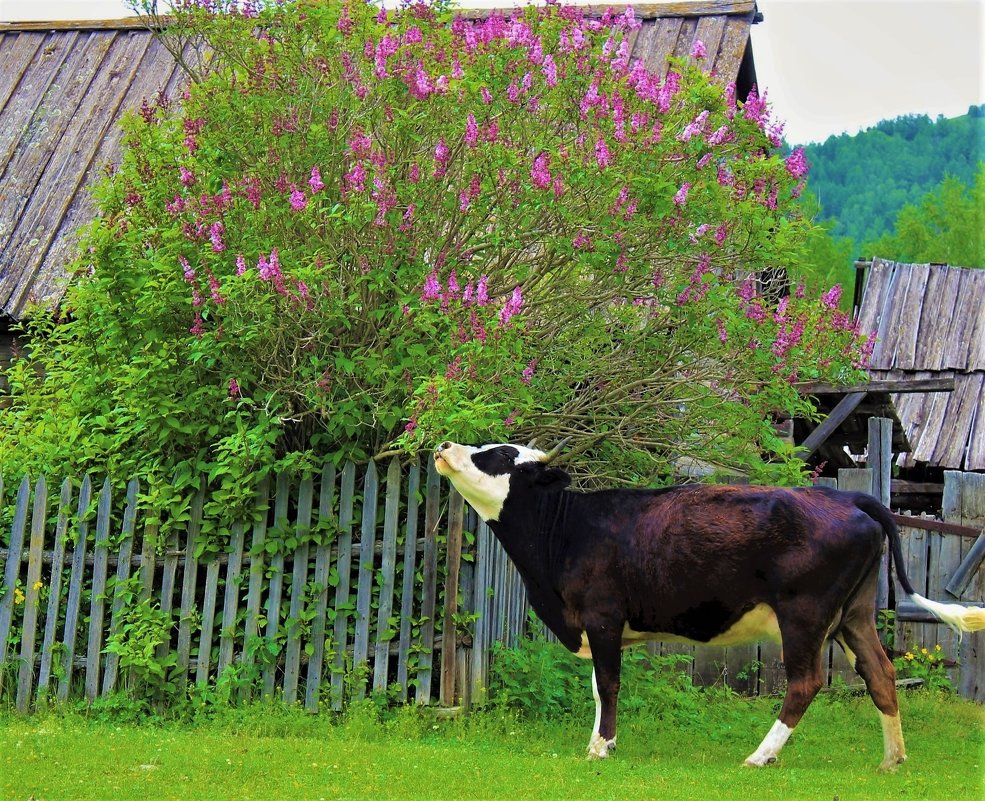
<point x="860" y="639"/>
<point x="805" y="676"/>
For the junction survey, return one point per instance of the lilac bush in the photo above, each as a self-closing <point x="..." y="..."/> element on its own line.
<point x="358" y="231"/>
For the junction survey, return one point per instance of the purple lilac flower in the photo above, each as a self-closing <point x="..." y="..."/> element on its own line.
<point x="215" y="235"/>
<point x="681" y="197"/>
<point x="796" y="163"/>
<point x="540" y="171"/>
<point x="315" y="181"/>
<point x="831" y="298"/>
<point x="698" y="50"/>
<point x="528" y="372"/>
<point x="298" y="199"/>
<point x="240" y="264"/>
<point x="234" y="391"/>
<point x="471" y="131"/>
<point x="602" y="153"/>
<point x="187" y="176"/>
<point x="432" y="287"/>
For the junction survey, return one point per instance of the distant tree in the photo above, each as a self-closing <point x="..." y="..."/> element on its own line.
<point x="825" y="259"/>
<point x="945" y="226"/>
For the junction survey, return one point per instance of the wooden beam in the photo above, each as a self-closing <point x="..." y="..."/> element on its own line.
<point x="966" y="570"/>
<point x="123" y="23"/>
<point x="926" y="524"/>
<point x="944" y="384"/>
<point x="900" y="487"/>
<point x="830" y="423"/>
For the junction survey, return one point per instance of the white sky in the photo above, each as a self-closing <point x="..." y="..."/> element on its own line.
<point x="828" y="65"/>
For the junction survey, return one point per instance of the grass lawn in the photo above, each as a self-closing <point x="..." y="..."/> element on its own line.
<point x="274" y="753"/>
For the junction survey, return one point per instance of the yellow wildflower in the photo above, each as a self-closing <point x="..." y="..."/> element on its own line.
<point x="909" y="656"/>
<point x="18" y="595"/>
<point x="38" y="585"/>
<point x="937" y="647"/>
<point x="924" y="651"/>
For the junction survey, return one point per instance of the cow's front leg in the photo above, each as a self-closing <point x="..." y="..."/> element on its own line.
<point x="606" y="654"/>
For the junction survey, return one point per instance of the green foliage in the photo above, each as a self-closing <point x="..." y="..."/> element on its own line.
<point x="144" y="627"/>
<point x="356" y="231"/>
<point x="542" y="679"/>
<point x="864" y="180"/>
<point x="946" y="226"/>
<point x="929" y="664"/>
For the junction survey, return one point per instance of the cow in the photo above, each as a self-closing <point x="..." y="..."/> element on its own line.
<point x="698" y="564"/>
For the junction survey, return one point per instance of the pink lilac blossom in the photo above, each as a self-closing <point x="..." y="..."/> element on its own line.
<point x="298" y="199"/>
<point x="432" y="287"/>
<point x="355" y="179"/>
<point x="796" y="163"/>
<point x="187" y="176"/>
<point x="528" y="372"/>
<point x="471" y="131"/>
<point x="240" y="264"/>
<point x="831" y="298"/>
<point x="540" y="171"/>
<point x="602" y="156"/>
<point x="698" y="50"/>
<point x="441" y="155"/>
<point x="234" y="391"/>
<point x="315" y="181"/>
<point x="482" y="291"/>
<point x="512" y="307"/>
<point x="681" y="197"/>
<point x="215" y="235"/>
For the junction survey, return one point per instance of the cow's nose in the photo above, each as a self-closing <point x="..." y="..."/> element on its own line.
<point x="443" y="447"/>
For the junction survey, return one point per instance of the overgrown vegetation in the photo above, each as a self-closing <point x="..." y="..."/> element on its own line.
<point x="358" y="231"/>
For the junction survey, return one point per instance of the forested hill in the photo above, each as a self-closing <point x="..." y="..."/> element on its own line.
<point x="863" y="180"/>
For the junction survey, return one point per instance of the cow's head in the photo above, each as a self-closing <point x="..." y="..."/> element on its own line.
<point x="488" y="475"/>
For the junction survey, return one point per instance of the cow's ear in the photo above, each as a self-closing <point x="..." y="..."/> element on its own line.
<point x="553" y="478"/>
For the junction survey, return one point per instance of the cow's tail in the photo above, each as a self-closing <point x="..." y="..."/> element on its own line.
<point x="958" y="617"/>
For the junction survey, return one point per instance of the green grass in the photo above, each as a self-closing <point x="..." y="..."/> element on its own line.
<point x="274" y="753"/>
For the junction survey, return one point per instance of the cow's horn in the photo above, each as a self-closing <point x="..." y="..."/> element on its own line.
<point x="532" y="442"/>
<point x="553" y="452"/>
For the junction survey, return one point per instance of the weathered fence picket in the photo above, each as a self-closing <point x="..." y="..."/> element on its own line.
<point x="319" y="602"/>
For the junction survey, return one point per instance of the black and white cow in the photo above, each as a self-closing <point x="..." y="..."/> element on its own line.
<point x="701" y="564"/>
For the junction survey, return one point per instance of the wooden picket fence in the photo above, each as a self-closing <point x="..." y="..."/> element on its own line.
<point x="408" y="595"/>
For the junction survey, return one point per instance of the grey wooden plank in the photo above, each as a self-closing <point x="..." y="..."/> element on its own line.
<point x="25" y="674"/>
<point x="367" y="579"/>
<point x="148" y="559"/>
<point x="75" y="585"/>
<point x="323" y="557"/>
<point x="449" y="639"/>
<point x="120" y="588"/>
<point x="251" y="624"/>
<point x="203" y="660"/>
<point x="429" y="568"/>
<point x="908" y="318"/>
<point x="189" y="588"/>
<point x="343" y="569"/>
<point x="299" y="582"/>
<point x="231" y="595"/>
<point x="275" y="589"/>
<point x="54" y="588"/>
<point x="12" y="569"/>
<point x="971" y="675"/>
<point x="97" y="606"/>
<point x="409" y="570"/>
<point x="385" y="629"/>
<point x="482" y="607"/>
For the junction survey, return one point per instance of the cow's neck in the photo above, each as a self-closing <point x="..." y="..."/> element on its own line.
<point x="531" y="538"/>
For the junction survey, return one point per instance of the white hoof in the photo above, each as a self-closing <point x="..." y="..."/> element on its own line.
<point x="756" y="761"/>
<point x="599" y="747"/>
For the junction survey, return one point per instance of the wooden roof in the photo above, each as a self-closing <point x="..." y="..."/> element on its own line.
<point x="64" y="87"/>
<point x="929" y="320"/>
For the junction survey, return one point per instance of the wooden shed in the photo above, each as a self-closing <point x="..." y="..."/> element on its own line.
<point x="65" y="86"/>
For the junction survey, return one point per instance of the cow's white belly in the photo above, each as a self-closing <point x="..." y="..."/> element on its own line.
<point x="759" y="623"/>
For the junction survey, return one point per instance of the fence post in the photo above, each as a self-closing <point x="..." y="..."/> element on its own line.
<point x="25" y="678"/>
<point x="880" y="461"/>
<point x="12" y="569"/>
<point x="456" y="518"/>
<point x="965" y="505"/>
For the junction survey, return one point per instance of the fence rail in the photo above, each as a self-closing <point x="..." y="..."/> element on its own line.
<point x="407" y="594"/>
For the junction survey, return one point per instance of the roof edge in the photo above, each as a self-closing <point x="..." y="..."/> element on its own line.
<point x="679" y="8"/>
